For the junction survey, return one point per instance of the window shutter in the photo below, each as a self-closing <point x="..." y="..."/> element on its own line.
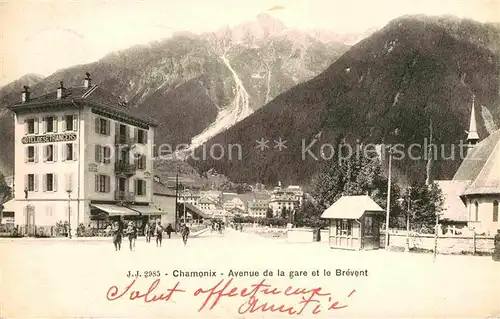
<point x="25" y="181"/>
<point x="69" y="181"/>
<point x="97" y="151"/>
<point x="97" y="125"/>
<point x="54" y="182"/>
<point x="96" y="183"/>
<point x="54" y="149"/>
<point x="75" y="123"/>
<point x="74" y="151"/>
<point x="44" y="182"/>
<point x="143" y="187"/>
<point x="136" y="134"/>
<point x="45" y="151"/>
<point x="135" y="186"/>
<point x="145" y="137"/>
<point x="43" y="126"/>
<point x="64" y="152"/>
<point x="108" y="127"/>
<point x="36" y="125"/>
<point x="26" y="154"/>
<point x="63" y="123"/>
<point x="108" y="182"/>
<point x="36" y="182"/>
<point x="25" y="126"/>
<point x="55" y="124"/>
<point x="36" y="153"/>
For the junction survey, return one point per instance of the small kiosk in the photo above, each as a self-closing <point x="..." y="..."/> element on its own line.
<point x="354" y="223"/>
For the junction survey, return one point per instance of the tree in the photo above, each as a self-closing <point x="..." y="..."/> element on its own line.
<point x="425" y="203"/>
<point x="269" y="213"/>
<point x="5" y="191"/>
<point x="309" y="215"/>
<point x="357" y="174"/>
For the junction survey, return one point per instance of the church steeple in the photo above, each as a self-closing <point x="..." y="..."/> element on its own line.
<point x="472" y="136"/>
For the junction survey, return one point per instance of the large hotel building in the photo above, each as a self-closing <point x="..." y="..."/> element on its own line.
<point x="81" y="156"/>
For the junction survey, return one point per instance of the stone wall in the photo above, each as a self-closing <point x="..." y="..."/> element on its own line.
<point x="445" y="244"/>
<point x="305" y="235"/>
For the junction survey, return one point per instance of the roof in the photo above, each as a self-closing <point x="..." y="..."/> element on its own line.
<point x="351" y="207"/>
<point x="207" y="200"/>
<point x="195" y="210"/>
<point x="453" y="207"/>
<point x="162" y="189"/>
<point x="481" y="167"/>
<point x="95" y="95"/>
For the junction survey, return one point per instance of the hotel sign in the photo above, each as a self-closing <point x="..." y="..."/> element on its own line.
<point x="52" y="138"/>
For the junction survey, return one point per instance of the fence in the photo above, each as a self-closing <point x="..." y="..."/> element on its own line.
<point x="446" y="244"/>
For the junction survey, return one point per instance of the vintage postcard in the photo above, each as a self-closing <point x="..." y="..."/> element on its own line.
<point x="250" y="159"/>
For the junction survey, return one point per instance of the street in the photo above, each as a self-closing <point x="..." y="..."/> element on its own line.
<point x="67" y="278"/>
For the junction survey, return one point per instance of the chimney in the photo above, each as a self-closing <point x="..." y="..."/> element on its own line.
<point x="87" y="83"/>
<point x="60" y="90"/>
<point x="25" y="97"/>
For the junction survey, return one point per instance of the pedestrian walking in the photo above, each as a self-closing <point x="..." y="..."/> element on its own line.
<point x="170" y="230"/>
<point x="185" y="234"/>
<point x="117" y="236"/>
<point x="131" y="233"/>
<point x="496" y="251"/>
<point x="147" y="232"/>
<point x="159" y="234"/>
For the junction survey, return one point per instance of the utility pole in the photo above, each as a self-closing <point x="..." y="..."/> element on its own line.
<point x="407" y="249"/>
<point x="388" y="200"/>
<point x="436" y="236"/>
<point x="176" y="199"/>
<point x="69" y="212"/>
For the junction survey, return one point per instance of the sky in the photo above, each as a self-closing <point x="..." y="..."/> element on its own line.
<point x="44" y="36"/>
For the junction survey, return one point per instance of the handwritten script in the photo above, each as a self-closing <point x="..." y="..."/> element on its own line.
<point x="251" y="299"/>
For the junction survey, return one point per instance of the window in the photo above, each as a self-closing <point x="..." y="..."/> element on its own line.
<point x="368" y="229"/>
<point x="344" y="227"/>
<point x="102" y="183"/>
<point x="50" y="182"/>
<point x="30" y="126"/>
<point x="30" y="154"/>
<point x="50" y="124"/>
<point x="476" y="206"/>
<point x="50" y="153"/>
<point x="142" y="136"/>
<point x="30" y="182"/>
<point x="140" y="187"/>
<point x="495" y="211"/>
<point x="102" y="126"/>
<point x="141" y="162"/>
<point x="69" y="152"/>
<point x="68" y="119"/>
<point x="102" y="154"/>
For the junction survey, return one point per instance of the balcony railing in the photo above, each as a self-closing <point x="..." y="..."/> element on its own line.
<point x="124" y="168"/>
<point x="122" y="139"/>
<point x="124" y="196"/>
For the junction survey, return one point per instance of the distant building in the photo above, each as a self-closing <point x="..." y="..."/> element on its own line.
<point x="81" y="156"/>
<point x="207" y="203"/>
<point x="258" y="208"/>
<point x="289" y="198"/>
<point x="189" y="196"/>
<point x="164" y="202"/>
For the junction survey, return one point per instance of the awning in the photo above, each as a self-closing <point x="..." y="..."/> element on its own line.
<point x="147" y="210"/>
<point x="9" y="206"/>
<point x="115" y="210"/>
